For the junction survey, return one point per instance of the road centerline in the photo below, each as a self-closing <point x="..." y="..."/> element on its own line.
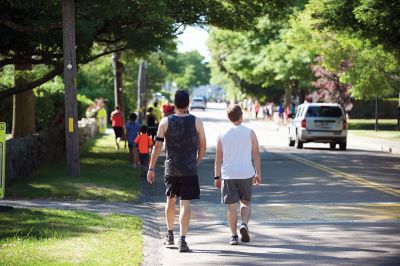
<point x="350" y="177"/>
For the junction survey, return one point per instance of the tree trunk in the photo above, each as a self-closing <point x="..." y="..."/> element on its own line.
<point x="23" y="123"/>
<point x="118" y="84"/>
<point x="288" y="94"/>
<point x="71" y="105"/>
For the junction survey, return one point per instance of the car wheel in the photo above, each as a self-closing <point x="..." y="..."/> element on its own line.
<point x="332" y="146"/>
<point x="343" y="146"/>
<point x="291" y="142"/>
<point x="298" y="143"/>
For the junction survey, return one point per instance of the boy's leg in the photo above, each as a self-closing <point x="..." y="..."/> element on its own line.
<point x="232" y="218"/>
<point x="130" y="154"/>
<point x="245" y="211"/>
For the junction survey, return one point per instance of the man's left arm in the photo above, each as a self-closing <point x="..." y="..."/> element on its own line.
<point x="202" y="140"/>
<point x="255" y="154"/>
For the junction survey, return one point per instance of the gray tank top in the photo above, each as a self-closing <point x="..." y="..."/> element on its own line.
<point x="181" y="146"/>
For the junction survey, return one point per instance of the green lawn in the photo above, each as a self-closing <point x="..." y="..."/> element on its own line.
<point x="60" y="237"/>
<point x="105" y="175"/>
<point x="387" y="128"/>
<point x="388" y="135"/>
<point x="369" y="124"/>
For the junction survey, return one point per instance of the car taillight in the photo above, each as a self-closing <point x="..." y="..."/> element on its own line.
<point x="303" y="123"/>
<point x="344" y="124"/>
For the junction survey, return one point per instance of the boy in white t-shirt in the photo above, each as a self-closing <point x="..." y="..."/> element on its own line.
<point x="237" y="167"/>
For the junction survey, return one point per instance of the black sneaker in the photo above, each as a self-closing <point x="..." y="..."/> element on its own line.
<point x="169" y="240"/>
<point x="244" y="232"/>
<point x="234" y="240"/>
<point x="183" y="246"/>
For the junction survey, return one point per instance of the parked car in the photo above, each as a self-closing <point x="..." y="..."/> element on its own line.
<point x="198" y="103"/>
<point x="319" y="122"/>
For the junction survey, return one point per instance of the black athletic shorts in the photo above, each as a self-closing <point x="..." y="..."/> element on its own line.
<point x="118" y="132"/>
<point x="185" y="187"/>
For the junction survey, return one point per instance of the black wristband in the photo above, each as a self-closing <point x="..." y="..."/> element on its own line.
<point x="217" y="177"/>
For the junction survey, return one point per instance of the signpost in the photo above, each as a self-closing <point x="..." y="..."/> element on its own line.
<point x="2" y="158"/>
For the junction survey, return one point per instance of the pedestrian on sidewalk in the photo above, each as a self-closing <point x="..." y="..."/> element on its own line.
<point x="132" y="130"/>
<point x="144" y="142"/>
<point x="237" y="168"/>
<point x="117" y="123"/>
<point x="185" y="146"/>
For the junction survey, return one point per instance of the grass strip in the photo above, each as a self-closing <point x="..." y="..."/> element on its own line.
<point x="369" y="124"/>
<point x="104" y="175"/>
<point x="64" y="237"/>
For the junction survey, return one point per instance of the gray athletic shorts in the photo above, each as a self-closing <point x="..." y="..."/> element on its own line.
<point x="234" y="190"/>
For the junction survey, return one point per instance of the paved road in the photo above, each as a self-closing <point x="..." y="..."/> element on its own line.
<point x="315" y="206"/>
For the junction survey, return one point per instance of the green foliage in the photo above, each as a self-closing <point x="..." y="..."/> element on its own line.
<point x="186" y="69"/>
<point x="65" y="237"/>
<point x="31" y="32"/>
<point x="375" y="20"/>
<point x="278" y="53"/>
<point x="50" y="102"/>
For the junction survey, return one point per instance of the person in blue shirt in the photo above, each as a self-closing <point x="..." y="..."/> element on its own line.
<point x="132" y="129"/>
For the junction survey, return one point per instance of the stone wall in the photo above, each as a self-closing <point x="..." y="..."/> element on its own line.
<point x="24" y="155"/>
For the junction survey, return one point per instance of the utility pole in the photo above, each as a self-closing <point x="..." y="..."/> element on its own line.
<point x="118" y="85"/>
<point x="141" y="96"/>
<point x="376" y="112"/>
<point x="71" y="106"/>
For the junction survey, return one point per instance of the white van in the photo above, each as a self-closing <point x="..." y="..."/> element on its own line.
<point x="319" y="122"/>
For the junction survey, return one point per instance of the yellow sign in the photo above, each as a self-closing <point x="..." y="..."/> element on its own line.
<point x="70" y="125"/>
<point x="2" y="158"/>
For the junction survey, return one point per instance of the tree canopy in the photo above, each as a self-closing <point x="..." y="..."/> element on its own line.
<point x="31" y="31"/>
<point x="283" y="51"/>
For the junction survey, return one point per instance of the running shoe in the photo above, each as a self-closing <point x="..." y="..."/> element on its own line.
<point x="244" y="232"/>
<point x="234" y="240"/>
<point x="169" y="240"/>
<point x="183" y="246"/>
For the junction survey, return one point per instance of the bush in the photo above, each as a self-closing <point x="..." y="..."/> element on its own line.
<point x="50" y="104"/>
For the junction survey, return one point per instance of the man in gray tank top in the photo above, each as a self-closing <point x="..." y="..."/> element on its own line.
<point x="185" y="146"/>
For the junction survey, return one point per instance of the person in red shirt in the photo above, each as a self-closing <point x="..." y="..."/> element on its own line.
<point x="117" y="123"/>
<point x="168" y="109"/>
<point x="144" y="142"/>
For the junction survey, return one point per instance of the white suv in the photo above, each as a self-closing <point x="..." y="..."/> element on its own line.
<point x="319" y="122"/>
<point x="198" y="102"/>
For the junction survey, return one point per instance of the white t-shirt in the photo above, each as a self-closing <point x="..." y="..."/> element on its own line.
<point x="236" y="147"/>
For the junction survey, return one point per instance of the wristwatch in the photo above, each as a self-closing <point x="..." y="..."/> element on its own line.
<point x="217" y="177"/>
<point x="151" y="169"/>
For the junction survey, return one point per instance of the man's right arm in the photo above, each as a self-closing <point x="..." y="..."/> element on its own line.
<point x="157" y="149"/>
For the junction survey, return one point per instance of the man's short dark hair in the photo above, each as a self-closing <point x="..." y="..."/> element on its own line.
<point x="234" y="112"/>
<point x="181" y="99"/>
